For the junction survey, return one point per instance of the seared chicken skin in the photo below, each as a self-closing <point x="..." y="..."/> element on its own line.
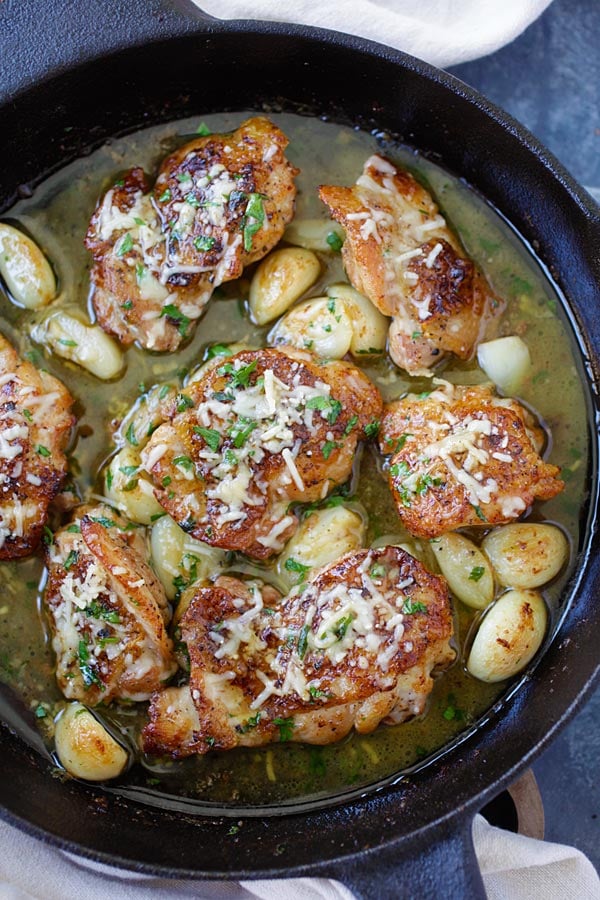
<point x="107" y="610"/>
<point x="35" y="425"/>
<point x="265" y="428"/>
<point x="219" y="203"/>
<point x="400" y="253"/>
<point x="463" y="456"/>
<point x="354" y="646"/>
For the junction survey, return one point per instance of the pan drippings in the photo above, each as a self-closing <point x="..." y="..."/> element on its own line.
<point x="57" y="217"/>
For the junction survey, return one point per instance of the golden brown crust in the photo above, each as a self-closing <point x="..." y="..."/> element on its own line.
<point x="219" y="203"/>
<point x="354" y="646"/>
<point x="400" y="253"/>
<point x="248" y="162"/>
<point x="461" y="456"/>
<point x="191" y="477"/>
<point x="35" y="426"/>
<point x="107" y="610"/>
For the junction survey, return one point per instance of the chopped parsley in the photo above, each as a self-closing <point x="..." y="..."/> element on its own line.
<point x="329" y="447"/>
<point x="211" y="437"/>
<point x="377" y="571"/>
<point x="476" y="573"/>
<point x="74" y="529"/>
<point x="218" y="350"/>
<point x="184" y="402"/>
<point x="479" y="513"/>
<point x="165" y="196"/>
<point x="39" y="712"/>
<point x="400" y="470"/>
<point x="125" y="245"/>
<point x="102" y="520"/>
<point x="409" y="607"/>
<point x="253" y="219"/>
<point x="174" y="314"/>
<point x="399" y="442"/>
<point x="130" y="436"/>
<point x="203" y="243"/>
<point x="302" y="645"/>
<point x="203" y="129"/>
<point x="239" y="377"/>
<point x="66" y="342"/>
<point x="334" y="241"/>
<point x="452" y="712"/>
<point x="341" y="626"/>
<point x="317" y="694"/>
<point x="292" y="565"/>
<point x="332" y="407"/>
<point x="128" y="470"/>
<point x="424" y="482"/>
<point x="71" y="559"/>
<point x="43" y="451"/>
<point x="249" y="724"/>
<point x="89" y="675"/>
<point x="351" y="423"/>
<point x="372" y="428"/>
<point x="241" y="431"/>
<point x="286" y="728"/>
<point x="184" y="462"/>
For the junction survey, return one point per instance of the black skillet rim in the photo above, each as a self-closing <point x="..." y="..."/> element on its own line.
<point x="588" y="210"/>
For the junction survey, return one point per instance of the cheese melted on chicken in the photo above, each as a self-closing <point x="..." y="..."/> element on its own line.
<point x="265" y="428"/>
<point x="108" y="611"/>
<point x="352" y="647"/>
<point x="462" y="456"/>
<point x="400" y="253"/>
<point x="219" y="203"/>
<point x="35" y="425"/>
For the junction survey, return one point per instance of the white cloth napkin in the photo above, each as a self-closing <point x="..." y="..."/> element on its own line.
<point x="442" y="32"/>
<point x="513" y="868"/>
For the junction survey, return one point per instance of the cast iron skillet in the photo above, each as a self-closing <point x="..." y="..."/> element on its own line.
<point x="93" y="69"/>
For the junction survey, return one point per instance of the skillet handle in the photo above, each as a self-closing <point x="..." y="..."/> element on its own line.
<point x="444" y="867"/>
<point x="35" y="46"/>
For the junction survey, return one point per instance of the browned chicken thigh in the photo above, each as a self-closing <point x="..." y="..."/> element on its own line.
<point x="400" y="253"/>
<point x="463" y="456"/>
<point x="107" y="610"/>
<point x="266" y="428"/>
<point x="35" y="424"/>
<point x="352" y="647"/>
<point x="219" y="203"/>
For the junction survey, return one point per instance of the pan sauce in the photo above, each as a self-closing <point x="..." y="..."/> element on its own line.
<point x="57" y="216"/>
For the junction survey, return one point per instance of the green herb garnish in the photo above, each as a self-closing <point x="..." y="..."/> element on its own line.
<point x="409" y="607"/>
<point x="211" y="437"/>
<point x="286" y="728"/>
<point x="334" y="241"/>
<point x="203" y="243"/>
<point x="255" y="211"/>
<point x="125" y="245"/>
<point x="174" y="314"/>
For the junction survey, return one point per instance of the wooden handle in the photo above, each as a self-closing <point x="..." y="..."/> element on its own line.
<point x="527" y="799"/>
